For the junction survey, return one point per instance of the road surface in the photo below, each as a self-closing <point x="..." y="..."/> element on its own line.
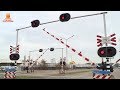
<point x="54" y="74"/>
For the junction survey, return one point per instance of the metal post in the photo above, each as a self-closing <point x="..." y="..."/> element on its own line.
<point x="16" y="45"/>
<point x="66" y="52"/>
<point x="62" y="61"/>
<point x="105" y="32"/>
<point x="29" y="55"/>
<point x="16" y="40"/>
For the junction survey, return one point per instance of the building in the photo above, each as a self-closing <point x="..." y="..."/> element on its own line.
<point x="8" y="63"/>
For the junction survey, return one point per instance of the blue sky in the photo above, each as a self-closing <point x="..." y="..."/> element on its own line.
<point x="85" y="31"/>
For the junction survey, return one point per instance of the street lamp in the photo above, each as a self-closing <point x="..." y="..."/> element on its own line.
<point x="66" y="39"/>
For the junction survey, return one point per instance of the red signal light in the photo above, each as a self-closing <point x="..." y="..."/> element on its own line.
<point x="102" y="52"/>
<point x="62" y="17"/>
<point x="106" y="52"/>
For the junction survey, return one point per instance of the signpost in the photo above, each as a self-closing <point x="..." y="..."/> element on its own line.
<point x="105" y="52"/>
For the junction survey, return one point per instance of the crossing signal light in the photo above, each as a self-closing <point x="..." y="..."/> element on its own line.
<point x="14" y="56"/>
<point x="51" y="49"/>
<point x="35" y="23"/>
<point x="60" y="62"/>
<point x="40" y="50"/>
<point x="64" y="63"/>
<point x="106" y="52"/>
<point x="64" y="17"/>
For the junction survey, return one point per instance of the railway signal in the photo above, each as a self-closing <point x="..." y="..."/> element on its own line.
<point x="14" y="56"/>
<point x="60" y="62"/>
<point x="64" y="17"/>
<point x="64" y="63"/>
<point x="51" y="49"/>
<point x="40" y="50"/>
<point x="106" y="52"/>
<point x="35" y="23"/>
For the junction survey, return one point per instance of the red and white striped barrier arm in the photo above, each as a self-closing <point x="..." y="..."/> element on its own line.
<point x="39" y="57"/>
<point x="116" y="62"/>
<point x="79" y="53"/>
<point x="101" y="76"/>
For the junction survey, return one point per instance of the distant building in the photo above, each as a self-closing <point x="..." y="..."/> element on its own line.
<point x="8" y="63"/>
<point x="51" y="64"/>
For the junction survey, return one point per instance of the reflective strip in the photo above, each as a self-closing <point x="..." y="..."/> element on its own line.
<point x="9" y="75"/>
<point x="108" y="66"/>
<point x="102" y="77"/>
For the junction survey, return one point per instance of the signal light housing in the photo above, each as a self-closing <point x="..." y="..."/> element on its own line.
<point x="14" y="56"/>
<point x="40" y="50"/>
<point x="51" y="49"/>
<point x="106" y="52"/>
<point x="35" y="23"/>
<point x="64" y="17"/>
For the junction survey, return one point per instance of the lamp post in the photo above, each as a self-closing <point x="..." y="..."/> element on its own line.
<point x="66" y="39"/>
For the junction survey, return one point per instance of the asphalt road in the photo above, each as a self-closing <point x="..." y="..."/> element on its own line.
<point x="54" y="74"/>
